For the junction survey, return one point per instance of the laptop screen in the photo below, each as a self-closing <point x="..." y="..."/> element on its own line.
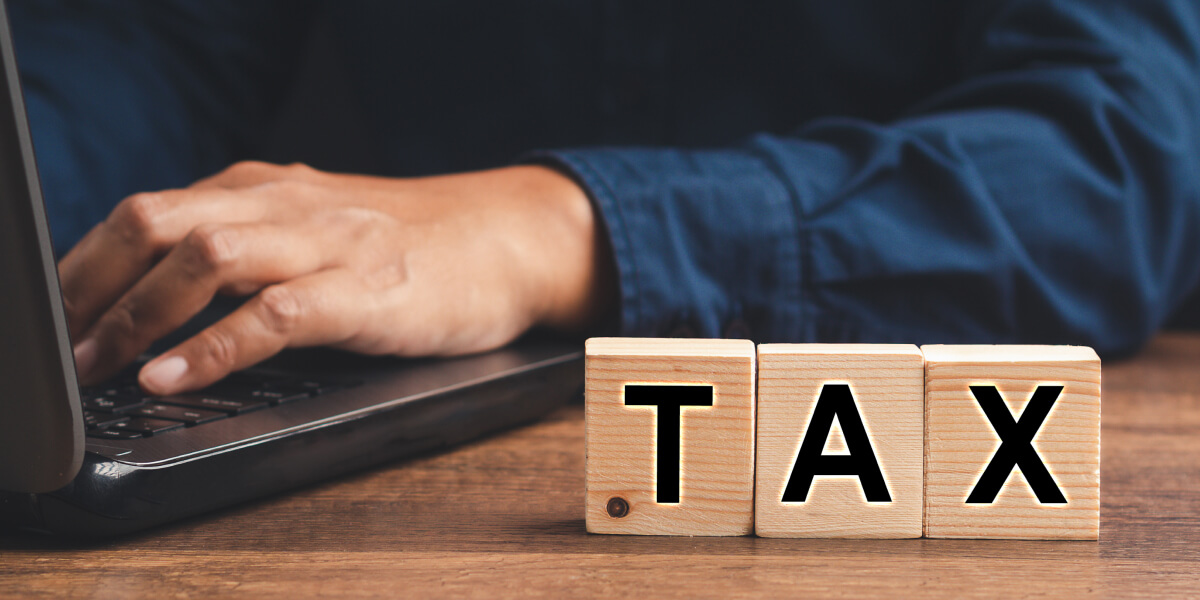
<point x="41" y="423"/>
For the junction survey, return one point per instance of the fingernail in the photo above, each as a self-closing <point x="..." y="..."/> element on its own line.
<point x="85" y="357"/>
<point x="162" y="375"/>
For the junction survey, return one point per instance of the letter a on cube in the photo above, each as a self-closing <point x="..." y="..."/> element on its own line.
<point x="1012" y="439"/>
<point x="840" y="429"/>
<point x="670" y="436"/>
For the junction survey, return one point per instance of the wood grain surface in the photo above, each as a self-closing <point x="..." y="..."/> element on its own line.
<point x="716" y="443"/>
<point x="960" y="441"/>
<point x="503" y="517"/>
<point x="888" y="386"/>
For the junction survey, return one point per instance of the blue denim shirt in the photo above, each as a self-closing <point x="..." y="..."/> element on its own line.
<point x="861" y="170"/>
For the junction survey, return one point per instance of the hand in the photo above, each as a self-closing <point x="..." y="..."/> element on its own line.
<point x="432" y="266"/>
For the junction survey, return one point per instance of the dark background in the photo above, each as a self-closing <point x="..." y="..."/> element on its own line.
<point x="319" y="123"/>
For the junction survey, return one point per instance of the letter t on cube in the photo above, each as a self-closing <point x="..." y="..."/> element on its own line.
<point x="670" y="436"/>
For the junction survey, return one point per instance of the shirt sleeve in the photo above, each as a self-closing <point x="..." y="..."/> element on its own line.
<point x="124" y="97"/>
<point x="1051" y="195"/>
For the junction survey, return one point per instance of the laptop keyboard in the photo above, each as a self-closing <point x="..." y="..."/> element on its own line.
<point x="120" y="410"/>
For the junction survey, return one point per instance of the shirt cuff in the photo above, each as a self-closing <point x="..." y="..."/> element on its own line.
<point x="705" y="243"/>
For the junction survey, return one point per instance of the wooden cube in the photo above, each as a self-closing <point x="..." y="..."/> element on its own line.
<point x="1012" y="438"/>
<point x="670" y="436"/>
<point x="840" y="432"/>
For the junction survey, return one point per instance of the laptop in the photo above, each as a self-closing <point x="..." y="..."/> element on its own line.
<point x="110" y="459"/>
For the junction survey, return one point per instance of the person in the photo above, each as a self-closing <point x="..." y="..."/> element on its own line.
<point x="997" y="171"/>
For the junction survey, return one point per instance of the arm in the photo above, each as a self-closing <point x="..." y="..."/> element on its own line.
<point x="1052" y="195"/>
<point x="129" y="97"/>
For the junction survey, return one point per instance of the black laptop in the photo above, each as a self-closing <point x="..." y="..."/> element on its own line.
<point x="111" y="459"/>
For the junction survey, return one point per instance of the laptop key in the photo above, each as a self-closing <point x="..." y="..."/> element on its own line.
<point x="96" y="420"/>
<point x="255" y="393"/>
<point x="280" y="395"/>
<point x="147" y="426"/>
<point x="183" y="414"/>
<point x="313" y="388"/>
<point x="248" y="378"/>
<point x="113" y="434"/>
<point x="274" y="389"/>
<point x="225" y="405"/>
<point x="113" y="403"/>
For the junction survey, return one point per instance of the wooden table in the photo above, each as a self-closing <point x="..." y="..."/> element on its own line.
<point x="504" y="517"/>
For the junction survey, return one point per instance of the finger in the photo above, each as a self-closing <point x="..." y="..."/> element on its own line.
<point x="322" y="308"/>
<point x="118" y="251"/>
<point x="184" y="282"/>
<point x="251" y="173"/>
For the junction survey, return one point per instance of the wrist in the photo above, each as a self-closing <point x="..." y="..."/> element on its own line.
<point x="577" y="289"/>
